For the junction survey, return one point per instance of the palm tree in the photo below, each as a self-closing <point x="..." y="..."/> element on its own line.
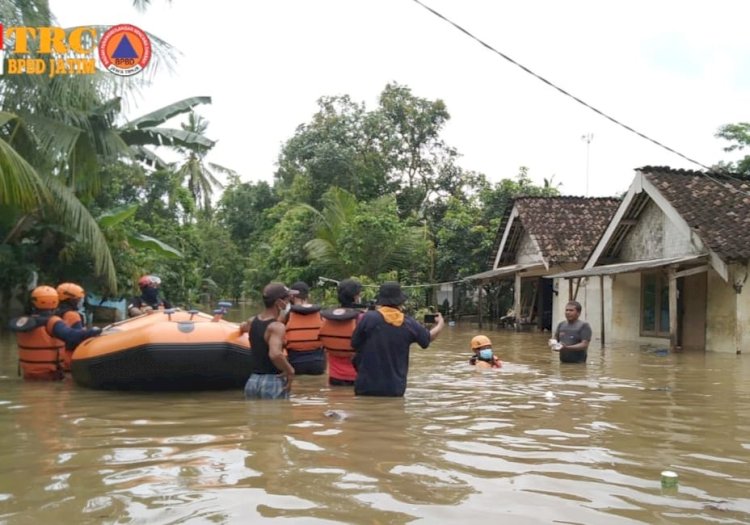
<point x="55" y="134"/>
<point x="199" y="175"/>
<point x="354" y="240"/>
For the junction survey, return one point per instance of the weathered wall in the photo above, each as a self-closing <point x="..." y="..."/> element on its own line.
<point x="655" y="237"/>
<point x="721" y="315"/>
<point x="743" y="314"/>
<point x="527" y="250"/>
<point x="743" y="311"/>
<point x="626" y="307"/>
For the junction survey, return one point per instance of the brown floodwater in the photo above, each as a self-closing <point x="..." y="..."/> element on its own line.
<point x="533" y="442"/>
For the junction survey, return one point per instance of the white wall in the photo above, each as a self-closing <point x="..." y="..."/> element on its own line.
<point x="527" y="250"/>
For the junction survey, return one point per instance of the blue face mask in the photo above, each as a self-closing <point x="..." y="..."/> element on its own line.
<point x="485" y="354"/>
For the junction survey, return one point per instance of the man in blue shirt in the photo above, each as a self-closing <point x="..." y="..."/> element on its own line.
<point x="382" y="340"/>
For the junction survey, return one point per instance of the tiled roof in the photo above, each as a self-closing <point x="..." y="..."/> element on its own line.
<point x="715" y="206"/>
<point x="566" y="229"/>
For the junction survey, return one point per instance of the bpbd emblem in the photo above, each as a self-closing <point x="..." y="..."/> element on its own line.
<point x="124" y="50"/>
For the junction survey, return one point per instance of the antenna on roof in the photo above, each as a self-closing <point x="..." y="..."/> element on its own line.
<point x="588" y="137"/>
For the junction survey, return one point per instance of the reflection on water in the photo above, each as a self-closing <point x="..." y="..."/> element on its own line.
<point x="533" y="442"/>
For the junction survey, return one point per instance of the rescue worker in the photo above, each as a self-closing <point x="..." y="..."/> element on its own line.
<point x="149" y="299"/>
<point x="42" y="336"/>
<point x="483" y="356"/>
<point x="336" y="333"/>
<point x="303" y="347"/>
<point x="71" y="299"/>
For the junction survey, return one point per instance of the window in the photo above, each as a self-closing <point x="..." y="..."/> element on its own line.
<point x="654" y="304"/>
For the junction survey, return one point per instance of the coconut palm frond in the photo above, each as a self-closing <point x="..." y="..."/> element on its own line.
<point x="75" y="216"/>
<point x="326" y="254"/>
<point x="20" y="184"/>
<point x="55" y="138"/>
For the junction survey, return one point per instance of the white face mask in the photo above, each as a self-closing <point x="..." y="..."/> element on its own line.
<point x="287" y="308"/>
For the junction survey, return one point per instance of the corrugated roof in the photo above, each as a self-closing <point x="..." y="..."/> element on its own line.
<point x="629" y="267"/>
<point x="502" y="272"/>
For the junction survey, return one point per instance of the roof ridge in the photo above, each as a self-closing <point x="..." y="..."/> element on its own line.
<point x="713" y="173"/>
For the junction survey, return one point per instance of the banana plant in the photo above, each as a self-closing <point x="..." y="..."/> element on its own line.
<point x="108" y="220"/>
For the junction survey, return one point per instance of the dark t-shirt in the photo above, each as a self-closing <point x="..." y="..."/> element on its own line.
<point x="571" y="334"/>
<point x="382" y="354"/>
<point x="260" y="361"/>
<point x="140" y="302"/>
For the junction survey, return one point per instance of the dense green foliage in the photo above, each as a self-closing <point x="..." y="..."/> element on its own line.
<point x="87" y="195"/>
<point x="739" y="137"/>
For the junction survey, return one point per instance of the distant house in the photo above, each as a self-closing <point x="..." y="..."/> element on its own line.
<point x="674" y="262"/>
<point x="540" y="236"/>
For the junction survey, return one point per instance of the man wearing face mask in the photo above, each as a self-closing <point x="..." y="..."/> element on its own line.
<point x="271" y="374"/>
<point x="483" y="356"/>
<point x="149" y="299"/>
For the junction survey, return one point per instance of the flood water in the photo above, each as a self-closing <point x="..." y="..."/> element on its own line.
<point x="533" y="442"/>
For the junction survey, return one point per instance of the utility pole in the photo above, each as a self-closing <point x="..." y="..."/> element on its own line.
<point x="588" y="137"/>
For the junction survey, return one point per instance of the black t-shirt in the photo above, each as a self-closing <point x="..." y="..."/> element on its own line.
<point x="261" y="362"/>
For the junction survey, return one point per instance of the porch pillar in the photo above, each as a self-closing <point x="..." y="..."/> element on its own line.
<point x="517" y="300"/>
<point x="672" y="308"/>
<point x="601" y="305"/>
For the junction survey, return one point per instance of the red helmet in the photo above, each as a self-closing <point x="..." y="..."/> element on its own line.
<point x="149" y="280"/>
<point x="44" y="298"/>
<point x="67" y="291"/>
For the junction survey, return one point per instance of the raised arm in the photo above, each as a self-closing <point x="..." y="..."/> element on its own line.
<point x="439" y="325"/>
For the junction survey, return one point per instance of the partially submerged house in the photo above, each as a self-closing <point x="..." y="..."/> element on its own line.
<point x="674" y="263"/>
<point x="541" y="236"/>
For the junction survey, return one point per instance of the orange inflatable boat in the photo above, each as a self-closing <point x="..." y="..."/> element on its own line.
<point x="165" y="350"/>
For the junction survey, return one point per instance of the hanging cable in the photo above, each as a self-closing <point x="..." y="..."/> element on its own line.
<point x="592" y="108"/>
<point x="558" y="88"/>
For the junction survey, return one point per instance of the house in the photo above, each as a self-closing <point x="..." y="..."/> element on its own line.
<point x="674" y="263"/>
<point x="541" y="236"/>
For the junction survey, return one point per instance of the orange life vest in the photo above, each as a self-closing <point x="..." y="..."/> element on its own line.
<point x="337" y="329"/>
<point x="303" y="327"/>
<point x="39" y="353"/>
<point x="72" y="317"/>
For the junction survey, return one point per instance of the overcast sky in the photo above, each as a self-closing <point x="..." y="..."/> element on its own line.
<point x="673" y="70"/>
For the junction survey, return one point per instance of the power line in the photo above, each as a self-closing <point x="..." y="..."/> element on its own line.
<point x="556" y="87"/>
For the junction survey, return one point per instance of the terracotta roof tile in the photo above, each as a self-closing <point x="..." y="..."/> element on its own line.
<point x="716" y="207"/>
<point x="565" y="228"/>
